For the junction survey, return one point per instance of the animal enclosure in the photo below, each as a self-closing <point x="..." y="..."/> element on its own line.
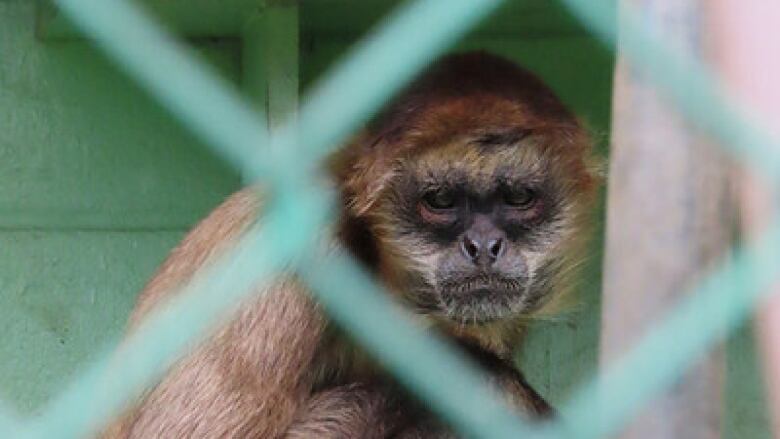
<point x="124" y="123"/>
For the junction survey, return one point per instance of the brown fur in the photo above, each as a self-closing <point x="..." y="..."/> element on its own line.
<point x="350" y="411"/>
<point x="277" y="369"/>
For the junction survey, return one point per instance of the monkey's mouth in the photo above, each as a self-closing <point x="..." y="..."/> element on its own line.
<point x="482" y="299"/>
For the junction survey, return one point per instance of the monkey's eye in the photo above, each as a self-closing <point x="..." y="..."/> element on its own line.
<point x="439" y="200"/>
<point x="522" y="198"/>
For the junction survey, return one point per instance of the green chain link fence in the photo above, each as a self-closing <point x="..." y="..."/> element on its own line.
<point x="381" y="64"/>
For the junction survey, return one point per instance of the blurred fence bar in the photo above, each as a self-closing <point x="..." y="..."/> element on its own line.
<point x="749" y="56"/>
<point x="669" y="220"/>
<point x="670" y="215"/>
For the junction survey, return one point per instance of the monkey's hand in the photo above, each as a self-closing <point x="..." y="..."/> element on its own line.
<point x="509" y="383"/>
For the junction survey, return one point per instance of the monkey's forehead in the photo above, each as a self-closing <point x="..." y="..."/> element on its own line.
<point x="481" y="166"/>
<point x="469" y="155"/>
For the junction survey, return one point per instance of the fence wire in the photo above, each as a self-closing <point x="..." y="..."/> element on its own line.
<point x="100" y="18"/>
<point x="377" y="68"/>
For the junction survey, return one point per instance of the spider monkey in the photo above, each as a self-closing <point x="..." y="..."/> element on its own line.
<point x="467" y="197"/>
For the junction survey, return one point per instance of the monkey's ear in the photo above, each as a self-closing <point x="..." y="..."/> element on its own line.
<point x="363" y="170"/>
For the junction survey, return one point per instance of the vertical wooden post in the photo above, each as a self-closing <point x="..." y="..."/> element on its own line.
<point x="669" y="219"/>
<point x="749" y="56"/>
<point x="270" y="62"/>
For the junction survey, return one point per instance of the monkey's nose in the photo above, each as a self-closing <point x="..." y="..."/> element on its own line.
<point x="495" y="248"/>
<point x="482" y="251"/>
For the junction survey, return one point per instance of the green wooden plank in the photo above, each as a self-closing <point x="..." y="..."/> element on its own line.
<point x="84" y="148"/>
<point x="270" y="65"/>
<point x="227" y="18"/>
<point x="194" y="18"/>
<point x="209" y="105"/>
<point x="516" y="18"/>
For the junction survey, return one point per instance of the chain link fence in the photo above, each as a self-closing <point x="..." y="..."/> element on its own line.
<point x="375" y="69"/>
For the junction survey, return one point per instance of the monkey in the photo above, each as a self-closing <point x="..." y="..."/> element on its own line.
<point x="467" y="198"/>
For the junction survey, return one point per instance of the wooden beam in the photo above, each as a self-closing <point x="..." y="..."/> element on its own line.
<point x="190" y="18"/>
<point x="270" y="62"/>
<point x="226" y="18"/>
<point x="669" y="220"/>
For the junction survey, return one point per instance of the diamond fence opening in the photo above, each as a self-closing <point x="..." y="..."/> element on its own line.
<point x="376" y="68"/>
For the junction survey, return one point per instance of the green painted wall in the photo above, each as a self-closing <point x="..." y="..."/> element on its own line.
<point x="97" y="183"/>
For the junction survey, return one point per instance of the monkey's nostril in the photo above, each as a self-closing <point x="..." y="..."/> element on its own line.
<point x="469" y="248"/>
<point x="495" y="248"/>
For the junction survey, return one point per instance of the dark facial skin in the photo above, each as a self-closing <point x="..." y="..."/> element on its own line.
<point x="487" y="230"/>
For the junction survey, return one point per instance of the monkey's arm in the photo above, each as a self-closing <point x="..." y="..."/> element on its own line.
<point x="519" y="394"/>
<point x="248" y="381"/>
<point x="511" y="385"/>
<point x="510" y="382"/>
<point x="251" y="376"/>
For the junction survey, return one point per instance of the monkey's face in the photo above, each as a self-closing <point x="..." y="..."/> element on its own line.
<point x="482" y="225"/>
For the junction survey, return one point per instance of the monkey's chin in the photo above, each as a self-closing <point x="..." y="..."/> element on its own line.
<point x="482" y="306"/>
